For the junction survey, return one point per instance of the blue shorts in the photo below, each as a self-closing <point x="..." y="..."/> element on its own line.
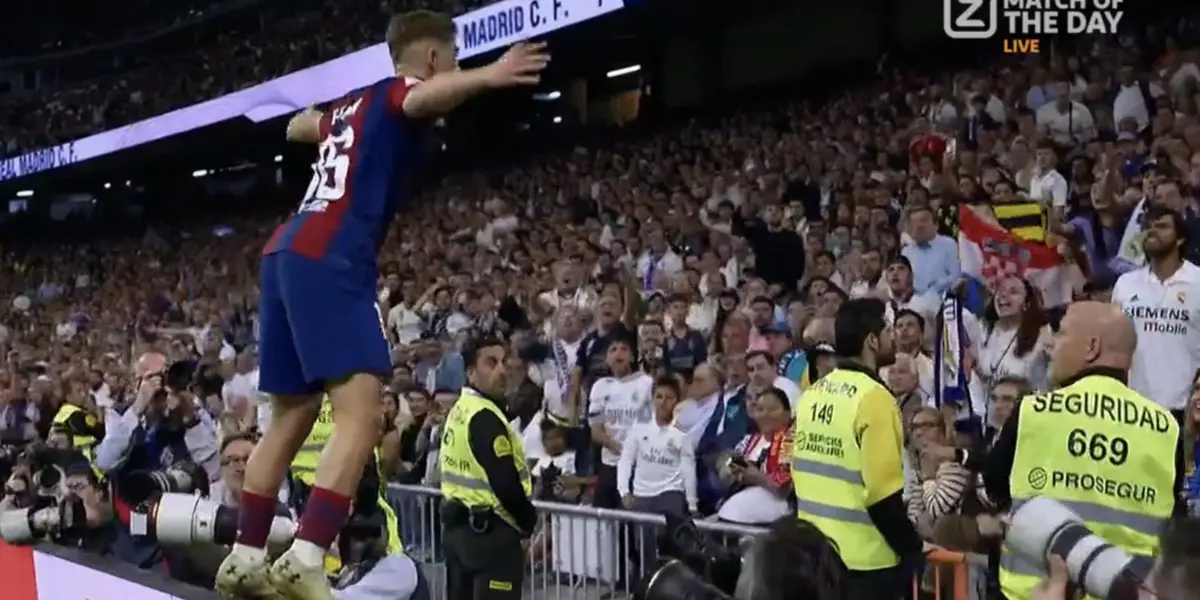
<point x="318" y="322"/>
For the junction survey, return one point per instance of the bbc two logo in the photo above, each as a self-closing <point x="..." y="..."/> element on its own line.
<point x="1021" y="22"/>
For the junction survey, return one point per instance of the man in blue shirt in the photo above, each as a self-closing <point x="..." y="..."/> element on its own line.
<point x="934" y="257"/>
<point x="439" y="366"/>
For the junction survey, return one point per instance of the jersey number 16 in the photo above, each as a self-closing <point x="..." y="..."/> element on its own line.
<point x="330" y="171"/>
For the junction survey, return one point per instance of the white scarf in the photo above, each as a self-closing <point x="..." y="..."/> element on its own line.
<point x="562" y="373"/>
<point x="1131" y="250"/>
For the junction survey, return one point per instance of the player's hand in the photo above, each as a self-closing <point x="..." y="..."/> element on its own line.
<point x="521" y="65"/>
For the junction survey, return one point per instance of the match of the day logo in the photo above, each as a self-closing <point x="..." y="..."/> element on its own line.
<point x="1021" y="22"/>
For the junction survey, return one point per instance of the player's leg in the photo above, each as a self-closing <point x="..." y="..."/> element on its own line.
<point x="340" y="469"/>
<point x="244" y="571"/>
<point x="342" y="344"/>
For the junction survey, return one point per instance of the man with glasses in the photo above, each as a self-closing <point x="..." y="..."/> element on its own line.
<point x="235" y="451"/>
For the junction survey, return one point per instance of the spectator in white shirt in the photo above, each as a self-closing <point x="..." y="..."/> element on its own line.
<point x="704" y="397"/>
<point x="556" y="369"/>
<point x="1131" y="101"/>
<point x="554" y="471"/>
<point x="1048" y="186"/>
<point x="993" y="106"/>
<point x="1014" y="338"/>
<point x="909" y="331"/>
<point x="617" y="403"/>
<point x="1065" y="121"/>
<point x="870" y="281"/>
<point x="941" y="109"/>
<point x="240" y="394"/>
<point x="901" y="294"/>
<point x="403" y="320"/>
<point x="657" y="470"/>
<point x="1163" y="300"/>
<point x="658" y="264"/>
<point x="568" y="291"/>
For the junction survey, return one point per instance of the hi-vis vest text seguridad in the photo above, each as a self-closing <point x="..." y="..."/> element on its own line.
<point x="463" y="478"/>
<point x="1105" y="452"/>
<point x="827" y="469"/>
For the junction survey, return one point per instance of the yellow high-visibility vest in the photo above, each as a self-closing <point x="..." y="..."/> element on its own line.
<point x="304" y="468"/>
<point x="463" y="478"/>
<point x="827" y="469"/>
<point x="83" y="443"/>
<point x="1102" y="450"/>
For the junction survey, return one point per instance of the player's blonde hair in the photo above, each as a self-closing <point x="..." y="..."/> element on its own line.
<point x="408" y="28"/>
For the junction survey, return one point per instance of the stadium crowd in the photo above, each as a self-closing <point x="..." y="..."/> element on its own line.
<point x="716" y="253"/>
<point x="93" y="99"/>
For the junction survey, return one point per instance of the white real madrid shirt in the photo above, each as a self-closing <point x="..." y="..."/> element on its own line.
<point x="1166" y="315"/>
<point x="618" y="404"/>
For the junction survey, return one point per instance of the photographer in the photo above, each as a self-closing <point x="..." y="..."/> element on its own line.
<point x="792" y="559"/>
<point x="161" y="427"/>
<point x="369" y="570"/>
<point x="54" y="495"/>
<point x="160" y="443"/>
<point x="36" y="472"/>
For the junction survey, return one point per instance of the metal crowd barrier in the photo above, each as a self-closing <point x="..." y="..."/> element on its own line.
<point x="587" y="553"/>
<point x="579" y="552"/>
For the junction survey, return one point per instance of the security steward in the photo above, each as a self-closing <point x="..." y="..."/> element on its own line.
<point x="1093" y="444"/>
<point x="83" y="427"/>
<point x="371" y="488"/>
<point x="846" y="458"/>
<point x="485" y="485"/>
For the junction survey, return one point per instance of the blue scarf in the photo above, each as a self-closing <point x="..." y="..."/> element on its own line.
<point x="648" y="278"/>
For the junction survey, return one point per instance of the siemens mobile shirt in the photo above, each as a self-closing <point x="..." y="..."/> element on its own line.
<point x="1166" y="314"/>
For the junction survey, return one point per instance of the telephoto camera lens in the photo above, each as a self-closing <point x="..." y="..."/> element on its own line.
<point x="138" y="487"/>
<point x="184" y="519"/>
<point x="1043" y="526"/>
<point x="45" y="517"/>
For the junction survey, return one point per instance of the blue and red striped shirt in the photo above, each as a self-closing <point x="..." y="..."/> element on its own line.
<point x="368" y="153"/>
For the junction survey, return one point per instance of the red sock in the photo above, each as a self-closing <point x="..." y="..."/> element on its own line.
<point x="324" y="515"/>
<point x="254" y="519"/>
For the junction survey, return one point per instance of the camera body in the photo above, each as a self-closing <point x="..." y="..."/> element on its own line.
<point x="39" y="504"/>
<point x="692" y="569"/>
<point x="142" y="487"/>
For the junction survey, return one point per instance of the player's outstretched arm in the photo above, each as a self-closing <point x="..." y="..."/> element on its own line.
<point x="305" y="127"/>
<point x="521" y="65"/>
